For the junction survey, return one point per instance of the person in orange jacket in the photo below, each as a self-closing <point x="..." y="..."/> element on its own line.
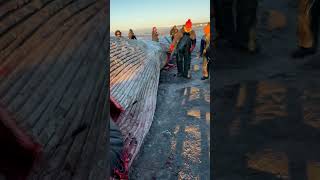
<point x="183" y="43"/>
<point x="206" y="44"/>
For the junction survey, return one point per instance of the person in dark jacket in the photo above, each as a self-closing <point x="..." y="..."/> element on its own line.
<point x="241" y="32"/>
<point x="183" y="43"/>
<point x="308" y="27"/>
<point x="131" y="34"/>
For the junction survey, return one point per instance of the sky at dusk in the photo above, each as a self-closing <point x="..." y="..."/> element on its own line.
<point x="142" y="14"/>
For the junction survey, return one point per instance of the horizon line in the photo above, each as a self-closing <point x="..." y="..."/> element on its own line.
<point x="163" y="26"/>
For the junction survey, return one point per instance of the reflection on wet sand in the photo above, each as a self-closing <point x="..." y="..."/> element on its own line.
<point x="194" y="93"/>
<point x="266" y="129"/>
<point x="269" y="161"/>
<point x="313" y="169"/>
<point x="195" y="67"/>
<point x="207" y="96"/>
<point x="241" y="96"/>
<point x="234" y="128"/>
<point x="194" y="113"/>
<point x="270" y="102"/>
<point x="208" y="117"/>
<point x="311" y="113"/>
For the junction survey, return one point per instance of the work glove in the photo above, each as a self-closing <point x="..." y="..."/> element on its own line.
<point x="171" y="48"/>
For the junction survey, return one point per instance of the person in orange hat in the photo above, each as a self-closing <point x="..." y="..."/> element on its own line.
<point x="183" y="43"/>
<point x="205" y="45"/>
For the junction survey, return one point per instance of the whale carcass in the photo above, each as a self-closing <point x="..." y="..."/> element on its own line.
<point x="53" y="100"/>
<point x="134" y="77"/>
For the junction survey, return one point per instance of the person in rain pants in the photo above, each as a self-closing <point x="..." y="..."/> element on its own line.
<point x="308" y="27"/>
<point x="183" y="43"/>
<point x="203" y="51"/>
<point x="239" y="28"/>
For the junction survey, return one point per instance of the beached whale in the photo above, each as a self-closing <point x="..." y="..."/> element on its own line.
<point x="134" y="77"/>
<point x="53" y="84"/>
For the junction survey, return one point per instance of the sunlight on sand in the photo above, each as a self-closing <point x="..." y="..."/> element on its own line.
<point x="192" y="145"/>
<point x="194" y="113"/>
<point x="186" y="176"/>
<point x="268" y="161"/>
<point x="191" y="152"/>
<point x="194" y="93"/>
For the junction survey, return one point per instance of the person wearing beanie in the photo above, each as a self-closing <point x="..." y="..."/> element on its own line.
<point x="183" y="43"/>
<point x="131" y="34"/>
<point x="206" y="44"/>
<point x="155" y="35"/>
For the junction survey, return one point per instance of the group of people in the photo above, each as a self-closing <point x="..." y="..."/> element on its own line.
<point x="130" y="34"/>
<point x="183" y="43"/>
<point x="242" y="33"/>
<point x="181" y="47"/>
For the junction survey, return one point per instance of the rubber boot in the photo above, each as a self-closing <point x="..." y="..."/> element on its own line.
<point x="204" y="68"/>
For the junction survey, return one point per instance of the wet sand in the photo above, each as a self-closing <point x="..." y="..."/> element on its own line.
<point x="177" y="145"/>
<point x="266" y="106"/>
